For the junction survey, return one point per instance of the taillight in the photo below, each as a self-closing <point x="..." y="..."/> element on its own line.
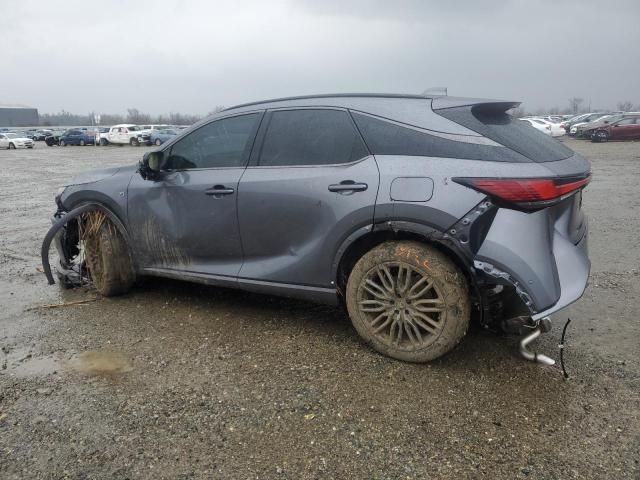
<point x="527" y="193"/>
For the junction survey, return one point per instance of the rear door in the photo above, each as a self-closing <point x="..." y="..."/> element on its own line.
<point x="309" y="185"/>
<point x="187" y="219"/>
<point x="624" y="128"/>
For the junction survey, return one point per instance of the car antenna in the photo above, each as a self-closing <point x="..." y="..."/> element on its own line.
<point x="435" y="91"/>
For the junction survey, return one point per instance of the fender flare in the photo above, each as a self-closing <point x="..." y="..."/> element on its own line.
<point x="73" y="214"/>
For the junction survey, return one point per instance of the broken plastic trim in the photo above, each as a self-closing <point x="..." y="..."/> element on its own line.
<point x="62" y="221"/>
<point x="492" y="271"/>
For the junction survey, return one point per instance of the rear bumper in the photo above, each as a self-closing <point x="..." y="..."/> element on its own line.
<point x="573" y="265"/>
<point x="544" y="255"/>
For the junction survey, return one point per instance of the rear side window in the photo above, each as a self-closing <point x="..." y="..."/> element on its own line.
<point x="386" y="138"/>
<point x="310" y="137"/>
<point x="508" y="131"/>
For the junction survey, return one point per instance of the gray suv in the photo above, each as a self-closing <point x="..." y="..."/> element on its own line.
<point x="417" y="213"/>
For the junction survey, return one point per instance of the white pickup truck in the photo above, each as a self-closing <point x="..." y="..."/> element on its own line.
<point x="124" y="134"/>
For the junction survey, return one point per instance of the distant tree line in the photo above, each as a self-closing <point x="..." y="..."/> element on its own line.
<point x="133" y="115"/>
<point x="575" y="106"/>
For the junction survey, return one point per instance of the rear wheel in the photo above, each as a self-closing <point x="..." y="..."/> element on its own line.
<point x="82" y="143"/>
<point x="158" y="142"/>
<point x="408" y="301"/>
<point x="62" y="143"/>
<point x="108" y="260"/>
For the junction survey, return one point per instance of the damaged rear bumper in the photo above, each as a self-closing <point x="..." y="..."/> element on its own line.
<point x="543" y="255"/>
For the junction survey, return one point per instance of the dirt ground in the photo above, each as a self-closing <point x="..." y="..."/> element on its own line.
<point x="176" y="380"/>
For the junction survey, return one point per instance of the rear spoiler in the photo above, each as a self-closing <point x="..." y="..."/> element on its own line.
<point x="477" y="104"/>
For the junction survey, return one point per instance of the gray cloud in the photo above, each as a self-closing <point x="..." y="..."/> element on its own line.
<point x="190" y="56"/>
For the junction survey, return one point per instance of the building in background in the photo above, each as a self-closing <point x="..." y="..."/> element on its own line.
<point x="18" y="116"/>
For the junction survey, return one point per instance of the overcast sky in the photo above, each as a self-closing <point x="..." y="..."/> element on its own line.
<point x="189" y="56"/>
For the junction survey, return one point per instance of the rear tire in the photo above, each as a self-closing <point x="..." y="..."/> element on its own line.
<point x="62" y="143"/>
<point x="82" y="143"/>
<point x="109" y="262"/>
<point x="408" y="301"/>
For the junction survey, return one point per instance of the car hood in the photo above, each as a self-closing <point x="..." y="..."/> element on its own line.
<point x="97" y="175"/>
<point x="21" y="139"/>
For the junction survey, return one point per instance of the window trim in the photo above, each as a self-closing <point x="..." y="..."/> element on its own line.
<point x="254" y="161"/>
<point x="245" y="154"/>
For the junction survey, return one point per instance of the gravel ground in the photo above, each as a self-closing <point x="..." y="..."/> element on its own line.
<point x="176" y="380"/>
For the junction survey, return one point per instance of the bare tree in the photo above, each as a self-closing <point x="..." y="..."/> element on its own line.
<point x="575" y="103"/>
<point x="625" y="106"/>
<point x="135" y="116"/>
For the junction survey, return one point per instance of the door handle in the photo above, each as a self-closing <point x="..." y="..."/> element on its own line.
<point x="219" y="190"/>
<point x="348" y="186"/>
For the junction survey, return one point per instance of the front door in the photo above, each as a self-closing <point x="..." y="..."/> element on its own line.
<point x="187" y="219"/>
<point x="623" y="129"/>
<point x="312" y="184"/>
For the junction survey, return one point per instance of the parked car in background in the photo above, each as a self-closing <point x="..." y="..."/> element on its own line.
<point x="146" y="130"/>
<point x="158" y="137"/>
<point x="77" y="137"/>
<point x="589" y="117"/>
<point x="124" y="134"/>
<point x="584" y="129"/>
<point x="40" y="135"/>
<point x="15" y="140"/>
<point x="625" y="128"/>
<point x="101" y="136"/>
<point x="538" y="125"/>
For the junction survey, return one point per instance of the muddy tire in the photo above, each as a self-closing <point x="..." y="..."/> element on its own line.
<point x="408" y="301"/>
<point x="109" y="262"/>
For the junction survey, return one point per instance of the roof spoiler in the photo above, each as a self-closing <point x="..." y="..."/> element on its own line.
<point x="477" y="104"/>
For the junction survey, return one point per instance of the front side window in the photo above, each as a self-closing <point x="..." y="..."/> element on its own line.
<point x="311" y="137"/>
<point x="222" y="143"/>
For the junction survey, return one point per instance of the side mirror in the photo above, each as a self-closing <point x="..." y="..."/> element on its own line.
<point x="151" y="165"/>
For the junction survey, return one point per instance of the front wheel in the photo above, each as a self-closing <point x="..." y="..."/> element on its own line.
<point x="12" y="146"/>
<point x="158" y="142"/>
<point x="82" y="143"/>
<point x="103" y="142"/>
<point x="134" y="142"/>
<point x="408" y="301"/>
<point x="108" y="260"/>
<point x="62" y="143"/>
<point x="600" y="136"/>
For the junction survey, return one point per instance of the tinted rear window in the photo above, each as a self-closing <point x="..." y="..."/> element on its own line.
<point x="508" y="131"/>
<point x="386" y="138"/>
<point x="311" y="137"/>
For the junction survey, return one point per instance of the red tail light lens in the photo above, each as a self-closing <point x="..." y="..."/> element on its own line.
<point x="528" y="193"/>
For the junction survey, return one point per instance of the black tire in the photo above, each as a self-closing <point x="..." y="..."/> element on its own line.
<point x="104" y="142"/>
<point x="600" y="136"/>
<point x="415" y="316"/>
<point x="12" y="146"/>
<point x="158" y="142"/>
<point x="134" y="142"/>
<point x="82" y="143"/>
<point x="109" y="262"/>
<point x="62" y="143"/>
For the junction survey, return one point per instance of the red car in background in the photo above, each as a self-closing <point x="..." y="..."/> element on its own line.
<point x="627" y="128"/>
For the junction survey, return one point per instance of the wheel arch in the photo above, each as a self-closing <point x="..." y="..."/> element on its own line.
<point x="366" y="238"/>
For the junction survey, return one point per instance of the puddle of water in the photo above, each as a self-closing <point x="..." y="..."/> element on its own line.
<point x="23" y="364"/>
<point x="101" y="363"/>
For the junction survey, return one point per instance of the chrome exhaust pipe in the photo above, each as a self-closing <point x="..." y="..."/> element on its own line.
<point x="527" y="339"/>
